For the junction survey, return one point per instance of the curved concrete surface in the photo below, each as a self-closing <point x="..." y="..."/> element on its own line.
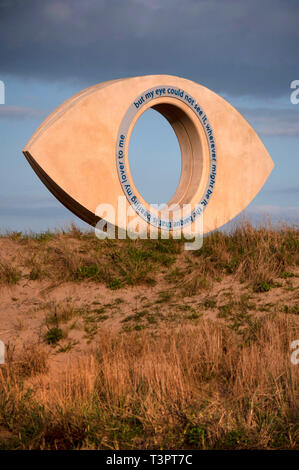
<point x="80" y="151"/>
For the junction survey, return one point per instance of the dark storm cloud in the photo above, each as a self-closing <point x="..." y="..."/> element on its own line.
<point x="233" y="46"/>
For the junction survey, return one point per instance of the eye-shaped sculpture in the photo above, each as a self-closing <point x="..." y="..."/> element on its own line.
<point x="80" y="151"/>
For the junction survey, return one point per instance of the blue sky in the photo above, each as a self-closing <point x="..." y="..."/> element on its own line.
<point x="50" y="50"/>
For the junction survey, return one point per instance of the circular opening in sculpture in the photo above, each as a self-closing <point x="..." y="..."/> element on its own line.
<point x="190" y="142"/>
<point x="155" y="158"/>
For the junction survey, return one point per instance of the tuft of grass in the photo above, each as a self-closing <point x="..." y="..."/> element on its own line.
<point x="287" y="274"/>
<point x="237" y="313"/>
<point x="195" y="436"/>
<point x="9" y="274"/>
<point x="53" y="336"/>
<point x="35" y="274"/>
<point x="193" y="316"/>
<point x="192" y="285"/>
<point x="251" y="254"/>
<point x="30" y="360"/>
<point x="115" y="284"/>
<point x="164" y="297"/>
<point x="210" y="302"/>
<point x="61" y="312"/>
<point x="67" y="347"/>
<point x="43" y="236"/>
<point x="234" y="439"/>
<point x="294" y="309"/>
<point x="261" y="286"/>
<point x="88" y="272"/>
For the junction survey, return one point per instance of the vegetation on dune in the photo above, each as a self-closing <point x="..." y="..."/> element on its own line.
<point x="169" y="378"/>
<point x="193" y="388"/>
<point x="253" y="255"/>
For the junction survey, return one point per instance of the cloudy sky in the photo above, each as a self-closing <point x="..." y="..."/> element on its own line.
<point x="247" y="51"/>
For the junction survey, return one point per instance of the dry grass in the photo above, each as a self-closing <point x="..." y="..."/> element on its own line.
<point x="253" y="255"/>
<point x="192" y="387"/>
<point x="9" y="274"/>
<point x="32" y="359"/>
<point x="169" y="379"/>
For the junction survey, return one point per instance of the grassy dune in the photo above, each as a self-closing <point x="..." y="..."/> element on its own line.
<point x="202" y="361"/>
<point x="254" y="254"/>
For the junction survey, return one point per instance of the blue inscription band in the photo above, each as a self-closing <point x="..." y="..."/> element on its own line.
<point x="149" y="95"/>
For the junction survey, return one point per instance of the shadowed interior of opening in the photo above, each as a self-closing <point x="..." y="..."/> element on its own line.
<point x="191" y="152"/>
<point x="152" y="163"/>
<point x="155" y="158"/>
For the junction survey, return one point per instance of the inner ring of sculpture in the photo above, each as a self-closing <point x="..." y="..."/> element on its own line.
<point x="198" y="153"/>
